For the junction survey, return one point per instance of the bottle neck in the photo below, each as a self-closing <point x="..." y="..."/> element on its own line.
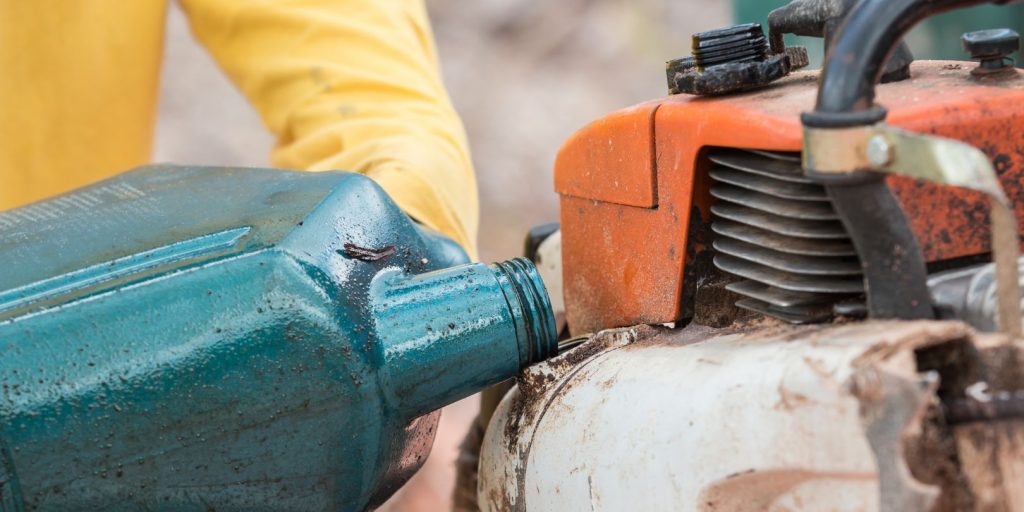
<point x="448" y="334"/>
<point x="530" y="306"/>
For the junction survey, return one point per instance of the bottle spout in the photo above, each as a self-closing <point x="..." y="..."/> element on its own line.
<point x="448" y="334"/>
<point x="530" y="305"/>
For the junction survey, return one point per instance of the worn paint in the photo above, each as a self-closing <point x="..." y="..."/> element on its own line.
<point x="759" y="416"/>
<point x="229" y="339"/>
<point x="625" y="261"/>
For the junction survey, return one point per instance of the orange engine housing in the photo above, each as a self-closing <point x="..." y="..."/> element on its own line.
<point x="632" y="184"/>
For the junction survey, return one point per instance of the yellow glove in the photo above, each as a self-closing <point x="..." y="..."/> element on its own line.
<point x="351" y="85"/>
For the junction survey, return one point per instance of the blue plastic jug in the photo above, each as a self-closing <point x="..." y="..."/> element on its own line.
<point x="183" y="338"/>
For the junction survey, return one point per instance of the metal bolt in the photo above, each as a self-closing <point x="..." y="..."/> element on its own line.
<point x="879" y="151"/>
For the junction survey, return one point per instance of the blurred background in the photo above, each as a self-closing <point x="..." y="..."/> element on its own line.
<point x="524" y="74"/>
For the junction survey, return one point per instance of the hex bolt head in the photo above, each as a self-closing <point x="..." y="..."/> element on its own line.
<point x="879" y="151"/>
<point x="992" y="47"/>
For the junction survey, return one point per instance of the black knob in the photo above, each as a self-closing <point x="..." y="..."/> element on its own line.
<point x="992" y="47"/>
<point x="740" y="43"/>
<point x="729" y="60"/>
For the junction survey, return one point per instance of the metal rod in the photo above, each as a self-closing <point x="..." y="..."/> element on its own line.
<point x="858" y="53"/>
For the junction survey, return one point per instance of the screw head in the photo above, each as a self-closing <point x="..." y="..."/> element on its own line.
<point x="879" y="151"/>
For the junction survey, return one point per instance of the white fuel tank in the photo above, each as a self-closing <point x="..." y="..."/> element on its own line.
<point x="760" y="418"/>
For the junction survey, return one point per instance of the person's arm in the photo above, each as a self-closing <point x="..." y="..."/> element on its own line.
<point x="351" y="85"/>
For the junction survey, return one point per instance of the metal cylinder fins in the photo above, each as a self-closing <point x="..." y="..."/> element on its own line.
<point x="779" y="233"/>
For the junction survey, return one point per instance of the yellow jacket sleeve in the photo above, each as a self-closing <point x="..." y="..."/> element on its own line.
<point x="351" y="85"/>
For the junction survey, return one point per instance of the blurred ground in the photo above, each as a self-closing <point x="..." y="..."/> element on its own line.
<point x="524" y="74"/>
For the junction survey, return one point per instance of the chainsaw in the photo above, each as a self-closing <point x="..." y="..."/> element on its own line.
<point x="825" y="268"/>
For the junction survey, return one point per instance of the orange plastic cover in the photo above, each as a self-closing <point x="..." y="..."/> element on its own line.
<point x="618" y="152"/>
<point x="624" y="239"/>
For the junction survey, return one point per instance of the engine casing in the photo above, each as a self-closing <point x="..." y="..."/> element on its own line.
<point x="635" y="185"/>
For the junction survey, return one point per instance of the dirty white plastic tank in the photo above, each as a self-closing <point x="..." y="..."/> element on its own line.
<point x="766" y="418"/>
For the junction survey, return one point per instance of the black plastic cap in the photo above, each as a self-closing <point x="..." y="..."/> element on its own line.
<point x="991" y="44"/>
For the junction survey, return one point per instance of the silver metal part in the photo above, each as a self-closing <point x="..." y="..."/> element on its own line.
<point x="778" y="155"/>
<point x="789" y="281"/>
<point x="879" y="151"/>
<point x="780" y="225"/>
<point x="885" y="149"/>
<point x="810" y="265"/>
<point x="776" y="296"/>
<point x="779" y="232"/>
<point x="971" y="294"/>
<point x="772" y="164"/>
<point x="782" y="243"/>
<point x="775" y="205"/>
<point x="793" y="314"/>
<point x="775" y="187"/>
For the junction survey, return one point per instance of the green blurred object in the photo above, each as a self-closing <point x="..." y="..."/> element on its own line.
<point x="936" y="38"/>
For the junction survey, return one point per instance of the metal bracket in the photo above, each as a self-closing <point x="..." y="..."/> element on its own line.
<point x="888" y="150"/>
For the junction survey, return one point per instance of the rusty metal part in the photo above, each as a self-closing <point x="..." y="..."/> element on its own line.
<point x="863" y="42"/>
<point x="756" y="417"/>
<point x="631" y="183"/>
<point x="895" y="270"/>
<point x="882" y="148"/>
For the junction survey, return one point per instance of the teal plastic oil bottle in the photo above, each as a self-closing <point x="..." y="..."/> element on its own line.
<point x="182" y="338"/>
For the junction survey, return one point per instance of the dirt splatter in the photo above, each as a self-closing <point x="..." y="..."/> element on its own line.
<point x="365" y="253"/>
